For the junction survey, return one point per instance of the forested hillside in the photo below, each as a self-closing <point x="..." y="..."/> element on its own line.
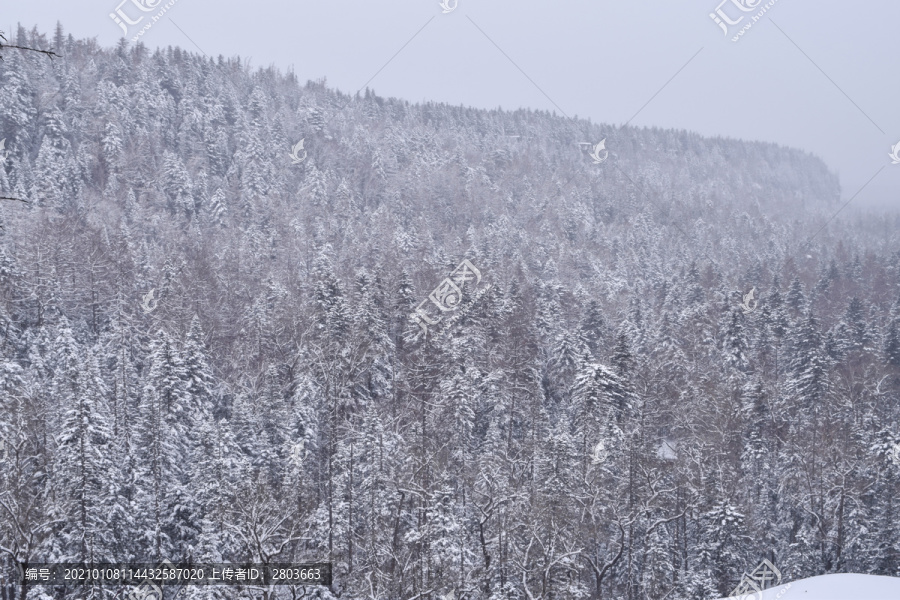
<point x="207" y="350"/>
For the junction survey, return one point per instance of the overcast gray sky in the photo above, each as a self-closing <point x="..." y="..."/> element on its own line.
<point x="818" y="75"/>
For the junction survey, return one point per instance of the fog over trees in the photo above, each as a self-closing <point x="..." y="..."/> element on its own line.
<point x="207" y="354"/>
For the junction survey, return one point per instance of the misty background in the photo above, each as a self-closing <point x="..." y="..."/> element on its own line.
<point x="825" y="82"/>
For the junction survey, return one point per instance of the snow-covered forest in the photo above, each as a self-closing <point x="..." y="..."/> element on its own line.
<point x="206" y="349"/>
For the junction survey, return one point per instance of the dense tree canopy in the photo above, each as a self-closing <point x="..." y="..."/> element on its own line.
<point x="598" y="417"/>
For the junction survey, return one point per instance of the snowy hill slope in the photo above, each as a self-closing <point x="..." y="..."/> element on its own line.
<point x="213" y="340"/>
<point x="843" y="586"/>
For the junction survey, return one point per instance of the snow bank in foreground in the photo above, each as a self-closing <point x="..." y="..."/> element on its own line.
<point x="845" y="586"/>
